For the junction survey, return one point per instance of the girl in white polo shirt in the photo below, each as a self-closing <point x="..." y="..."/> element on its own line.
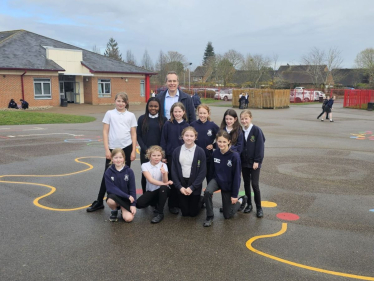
<point x="119" y="131"/>
<point x="157" y="189"/>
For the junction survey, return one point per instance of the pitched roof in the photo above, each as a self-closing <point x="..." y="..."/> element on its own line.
<point x="300" y="73"/>
<point x="243" y="76"/>
<point x="200" y="71"/>
<point x="21" y="49"/>
<point x="350" y="77"/>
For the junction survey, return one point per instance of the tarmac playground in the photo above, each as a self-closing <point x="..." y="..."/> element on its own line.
<point x="316" y="184"/>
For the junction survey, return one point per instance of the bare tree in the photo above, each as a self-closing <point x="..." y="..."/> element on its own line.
<point x="161" y="67"/>
<point x="323" y="67"/>
<point x="172" y="61"/>
<point x="147" y="61"/>
<point x="256" y="65"/>
<point x="365" y="60"/>
<point x="96" y="49"/>
<point x="235" y="58"/>
<point x="130" y="58"/>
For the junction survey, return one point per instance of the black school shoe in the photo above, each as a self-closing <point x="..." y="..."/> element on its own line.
<point x="113" y="216"/>
<point x="248" y="209"/>
<point x="157" y="218"/>
<point x="96" y="205"/>
<point x="259" y="213"/>
<point x="244" y="203"/>
<point x="208" y="222"/>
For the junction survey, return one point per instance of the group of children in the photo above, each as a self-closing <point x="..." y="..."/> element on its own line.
<point x="176" y="156"/>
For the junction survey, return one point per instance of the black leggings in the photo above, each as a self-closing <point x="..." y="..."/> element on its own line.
<point x="127" y="150"/>
<point x="156" y="198"/>
<point x="252" y="177"/>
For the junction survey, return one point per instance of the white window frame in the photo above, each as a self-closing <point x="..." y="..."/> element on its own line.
<point x="142" y="88"/>
<point x="104" y="82"/>
<point x="43" y="81"/>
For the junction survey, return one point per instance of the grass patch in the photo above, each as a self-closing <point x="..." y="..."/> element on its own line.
<point x="20" y="117"/>
<point x="209" y="101"/>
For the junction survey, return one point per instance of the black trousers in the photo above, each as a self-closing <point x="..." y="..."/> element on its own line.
<point x="127" y="150"/>
<point x="190" y="205"/>
<point x="143" y="180"/>
<point x="156" y="198"/>
<point x="173" y="195"/>
<point x="251" y="177"/>
<point x="229" y="210"/>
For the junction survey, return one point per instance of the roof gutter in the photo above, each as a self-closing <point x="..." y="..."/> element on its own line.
<point x="120" y="72"/>
<point x="23" y="91"/>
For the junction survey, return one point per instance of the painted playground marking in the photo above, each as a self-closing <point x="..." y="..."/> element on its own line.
<point x="50" y="134"/>
<point x="363" y="135"/>
<point x="283" y="230"/>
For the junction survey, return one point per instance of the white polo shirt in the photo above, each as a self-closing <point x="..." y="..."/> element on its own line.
<point x="120" y="124"/>
<point x="185" y="159"/>
<point x="155" y="171"/>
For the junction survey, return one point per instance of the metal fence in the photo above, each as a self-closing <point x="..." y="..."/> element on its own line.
<point x="358" y="98"/>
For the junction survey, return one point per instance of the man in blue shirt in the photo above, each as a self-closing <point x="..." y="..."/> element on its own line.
<point x="173" y="95"/>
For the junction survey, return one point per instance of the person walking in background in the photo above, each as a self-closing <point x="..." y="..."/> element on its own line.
<point x="173" y="95"/>
<point x="323" y="107"/>
<point x="246" y="100"/>
<point x="196" y="99"/>
<point x="328" y="109"/>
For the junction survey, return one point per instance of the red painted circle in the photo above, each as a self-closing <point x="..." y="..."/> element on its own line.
<point x="288" y="216"/>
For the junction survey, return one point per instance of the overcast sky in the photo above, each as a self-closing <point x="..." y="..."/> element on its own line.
<point x="289" y="29"/>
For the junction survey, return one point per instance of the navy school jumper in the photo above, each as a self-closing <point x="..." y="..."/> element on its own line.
<point x="171" y="136"/>
<point x="253" y="148"/>
<point x="206" y="134"/>
<point x="120" y="183"/>
<point x="226" y="171"/>
<point x="198" y="170"/>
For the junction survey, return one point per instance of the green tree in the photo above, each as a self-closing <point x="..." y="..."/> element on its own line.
<point x="112" y="50"/>
<point x="209" y="52"/>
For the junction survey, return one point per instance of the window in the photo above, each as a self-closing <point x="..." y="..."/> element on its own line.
<point x="142" y="88"/>
<point x="104" y="88"/>
<point x="42" y="88"/>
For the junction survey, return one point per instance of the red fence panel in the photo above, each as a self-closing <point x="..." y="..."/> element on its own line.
<point x="358" y="98"/>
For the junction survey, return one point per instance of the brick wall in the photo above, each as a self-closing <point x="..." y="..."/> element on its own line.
<point x="10" y="88"/>
<point x="131" y="87"/>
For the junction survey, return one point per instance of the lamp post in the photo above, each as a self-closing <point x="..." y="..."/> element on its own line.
<point x="189" y="76"/>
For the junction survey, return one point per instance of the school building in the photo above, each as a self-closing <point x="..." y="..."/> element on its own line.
<point x="44" y="72"/>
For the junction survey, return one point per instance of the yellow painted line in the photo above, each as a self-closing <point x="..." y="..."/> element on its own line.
<point x="283" y="230"/>
<point x="53" y="189"/>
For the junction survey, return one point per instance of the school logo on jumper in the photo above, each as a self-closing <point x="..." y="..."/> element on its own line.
<point x="198" y="163"/>
<point x="209" y="133"/>
<point x="126" y="177"/>
<point x="229" y="163"/>
<point x="216" y="160"/>
<point x="253" y="139"/>
<point x="112" y="178"/>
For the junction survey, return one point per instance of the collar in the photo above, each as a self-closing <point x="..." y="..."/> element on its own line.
<point x="119" y="112"/>
<point x="249" y="128"/>
<point x="153" y="116"/>
<point x="169" y="96"/>
<point x="189" y="149"/>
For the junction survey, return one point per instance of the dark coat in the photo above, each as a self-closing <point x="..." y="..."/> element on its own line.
<point x="254" y="148"/>
<point x="183" y="98"/>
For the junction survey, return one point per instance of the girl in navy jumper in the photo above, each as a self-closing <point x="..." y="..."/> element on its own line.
<point x="207" y="131"/>
<point x="188" y="173"/>
<point x="230" y="124"/>
<point x="149" y="130"/>
<point x="251" y="159"/>
<point x="170" y="140"/>
<point x="157" y="191"/>
<point x="225" y="177"/>
<point x="120" y="187"/>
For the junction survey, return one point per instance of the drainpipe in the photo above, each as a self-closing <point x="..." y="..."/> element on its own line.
<point x="23" y="92"/>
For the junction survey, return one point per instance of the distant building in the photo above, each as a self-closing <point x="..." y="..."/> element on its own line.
<point x="201" y="74"/>
<point x="348" y="77"/>
<point x="42" y="70"/>
<point x="304" y="75"/>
